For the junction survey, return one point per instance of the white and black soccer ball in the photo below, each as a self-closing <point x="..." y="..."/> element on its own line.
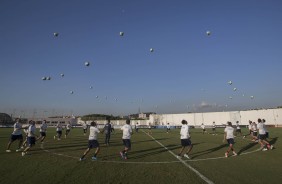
<point x="208" y="33"/>
<point x="56" y="34"/>
<point x="87" y="63"/>
<point x="151" y="50"/>
<point x="121" y="33"/>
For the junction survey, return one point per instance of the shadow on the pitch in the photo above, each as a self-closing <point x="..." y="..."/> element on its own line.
<point x="249" y="146"/>
<point x="145" y="152"/>
<point x="273" y="140"/>
<point x="205" y="152"/>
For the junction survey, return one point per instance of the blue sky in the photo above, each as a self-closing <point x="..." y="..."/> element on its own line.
<point x="188" y="70"/>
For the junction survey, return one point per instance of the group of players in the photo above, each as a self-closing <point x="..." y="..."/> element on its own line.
<point x="258" y="132"/>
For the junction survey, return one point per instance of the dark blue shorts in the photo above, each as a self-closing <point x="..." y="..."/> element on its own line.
<point x="30" y="141"/>
<point x="261" y="136"/>
<point x="93" y="144"/>
<point x="185" y="142"/>
<point x="16" y="137"/>
<point x="59" y="132"/>
<point x="230" y="141"/>
<point x="213" y="129"/>
<point x="255" y="133"/>
<point x="126" y="143"/>
<point x="266" y="134"/>
<point x="43" y="134"/>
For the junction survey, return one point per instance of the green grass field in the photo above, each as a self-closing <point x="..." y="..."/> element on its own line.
<point x="57" y="161"/>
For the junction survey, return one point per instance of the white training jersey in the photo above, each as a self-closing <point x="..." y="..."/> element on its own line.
<point x="126" y="131"/>
<point x="213" y="126"/>
<point x="68" y="127"/>
<point x="84" y="126"/>
<point x="184" y="132"/>
<point x="229" y="132"/>
<point x="238" y="126"/>
<point x="93" y="133"/>
<point x="203" y="126"/>
<point x="250" y="127"/>
<point x="261" y="128"/>
<point x="17" y="129"/>
<point x="59" y="127"/>
<point x="254" y="127"/>
<point x="43" y="127"/>
<point x="168" y="126"/>
<point x="31" y="131"/>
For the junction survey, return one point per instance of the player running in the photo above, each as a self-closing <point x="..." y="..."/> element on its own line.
<point x="92" y="141"/>
<point x="84" y="126"/>
<point x="185" y="139"/>
<point x="203" y="128"/>
<point x="167" y="128"/>
<point x="59" y="129"/>
<point x="68" y="129"/>
<point x="136" y="127"/>
<point x="262" y="136"/>
<point x="30" y="137"/>
<point x="16" y="135"/>
<point x="213" y="128"/>
<point x="255" y="132"/>
<point x="107" y="130"/>
<point x="229" y="137"/>
<point x="238" y="129"/>
<point x="126" y="135"/>
<point x="149" y="128"/>
<point x="42" y="130"/>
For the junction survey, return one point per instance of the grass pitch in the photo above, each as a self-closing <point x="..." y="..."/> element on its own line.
<point x="57" y="162"/>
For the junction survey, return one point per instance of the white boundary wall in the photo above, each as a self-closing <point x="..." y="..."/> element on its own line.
<point x="272" y="117"/>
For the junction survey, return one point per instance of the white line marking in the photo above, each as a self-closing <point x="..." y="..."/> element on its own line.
<point x="183" y="162"/>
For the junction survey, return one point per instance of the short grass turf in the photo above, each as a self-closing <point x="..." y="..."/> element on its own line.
<point x="57" y="161"/>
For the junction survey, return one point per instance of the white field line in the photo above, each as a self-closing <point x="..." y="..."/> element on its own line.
<point x="183" y="162"/>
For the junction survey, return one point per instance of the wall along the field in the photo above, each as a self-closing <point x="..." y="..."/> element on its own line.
<point x="272" y="117"/>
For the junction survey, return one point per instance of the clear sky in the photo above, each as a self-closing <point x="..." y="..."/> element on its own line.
<point x="187" y="71"/>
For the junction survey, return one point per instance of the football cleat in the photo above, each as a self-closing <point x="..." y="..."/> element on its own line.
<point x="185" y="155"/>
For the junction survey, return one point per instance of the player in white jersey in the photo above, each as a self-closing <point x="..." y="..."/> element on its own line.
<point x="136" y="127"/>
<point x="59" y="129"/>
<point x="167" y="128"/>
<point x="84" y="126"/>
<point x="213" y="128"/>
<point x="238" y="129"/>
<point x="203" y="128"/>
<point x="16" y="135"/>
<point x="262" y="136"/>
<point x="185" y="139"/>
<point x="255" y="132"/>
<point x="30" y="137"/>
<point x="68" y="129"/>
<point x="42" y="130"/>
<point x="92" y="141"/>
<point x="126" y="135"/>
<point x="229" y="137"/>
<point x="150" y="128"/>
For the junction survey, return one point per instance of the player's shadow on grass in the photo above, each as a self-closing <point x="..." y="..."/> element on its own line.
<point x="205" y="152"/>
<point x="249" y="146"/>
<point x="273" y="140"/>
